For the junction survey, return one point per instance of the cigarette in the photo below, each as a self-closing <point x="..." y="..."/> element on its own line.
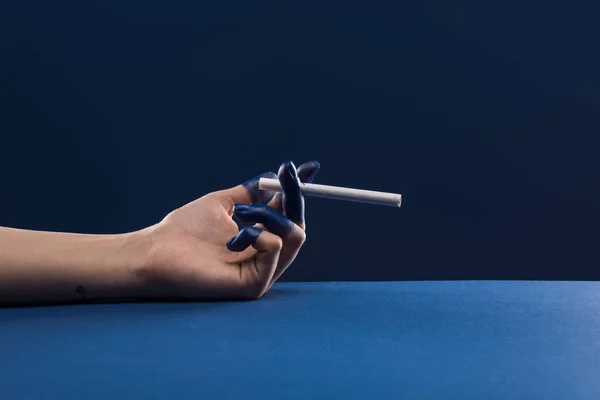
<point x="338" y="193"/>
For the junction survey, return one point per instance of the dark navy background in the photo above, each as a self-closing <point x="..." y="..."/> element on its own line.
<point x="485" y="116"/>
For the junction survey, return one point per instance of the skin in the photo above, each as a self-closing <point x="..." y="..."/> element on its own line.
<point x="197" y="252"/>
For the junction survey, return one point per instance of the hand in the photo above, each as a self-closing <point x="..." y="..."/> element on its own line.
<point x="198" y="252"/>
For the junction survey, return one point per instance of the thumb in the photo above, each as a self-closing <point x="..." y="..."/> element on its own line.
<point x="248" y="192"/>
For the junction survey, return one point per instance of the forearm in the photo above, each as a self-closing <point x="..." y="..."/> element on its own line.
<point x="50" y="267"/>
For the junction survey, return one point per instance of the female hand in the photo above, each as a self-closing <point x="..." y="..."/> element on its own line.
<point x="198" y="251"/>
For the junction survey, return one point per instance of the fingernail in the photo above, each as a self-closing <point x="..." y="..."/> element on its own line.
<point x="308" y="171"/>
<point x="241" y="212"/>
<point x="238" y="208"/>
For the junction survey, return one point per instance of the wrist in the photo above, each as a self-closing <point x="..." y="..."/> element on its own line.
<point x="134" y="254"/>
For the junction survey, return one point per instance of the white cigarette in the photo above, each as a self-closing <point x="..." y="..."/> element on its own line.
<point x="338" y="193"/>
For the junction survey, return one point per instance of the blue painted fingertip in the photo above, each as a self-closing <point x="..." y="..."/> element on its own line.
<point x="291" y="168"/>
<point x="308" y="171"/>
<point x="244" y="238"/>
<point x="272" y="219"/>
<point x="293" y="200"/>
<point x="259" y="196"/>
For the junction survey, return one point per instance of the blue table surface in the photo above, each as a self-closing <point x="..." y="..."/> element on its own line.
<point x="463" y="340"/>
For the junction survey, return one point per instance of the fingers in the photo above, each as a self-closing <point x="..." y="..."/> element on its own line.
<point x="292" y="235"/>
<point x="247" y="192"/>
<point x="270" y="218"/>
<point x="256" y="281"/>
<point x="293" y="242"/>
<point x="306" y="173"/>
<point x="280" y="242"/>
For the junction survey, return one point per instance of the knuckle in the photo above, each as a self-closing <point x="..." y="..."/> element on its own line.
<point x="302" y="236"/>
<point x="297" y="237"/>
<point x="275" y="243"/>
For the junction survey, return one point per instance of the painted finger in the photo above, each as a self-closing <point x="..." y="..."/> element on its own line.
<point x="292" y="235"/>
<point x="293" y="199"/>
<point x="308" y="171"/>
<point x="247" y="192"/>
<point x="257" y="272"/>
<point x="245" y="238"/>
<point x="271" y="219"/>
